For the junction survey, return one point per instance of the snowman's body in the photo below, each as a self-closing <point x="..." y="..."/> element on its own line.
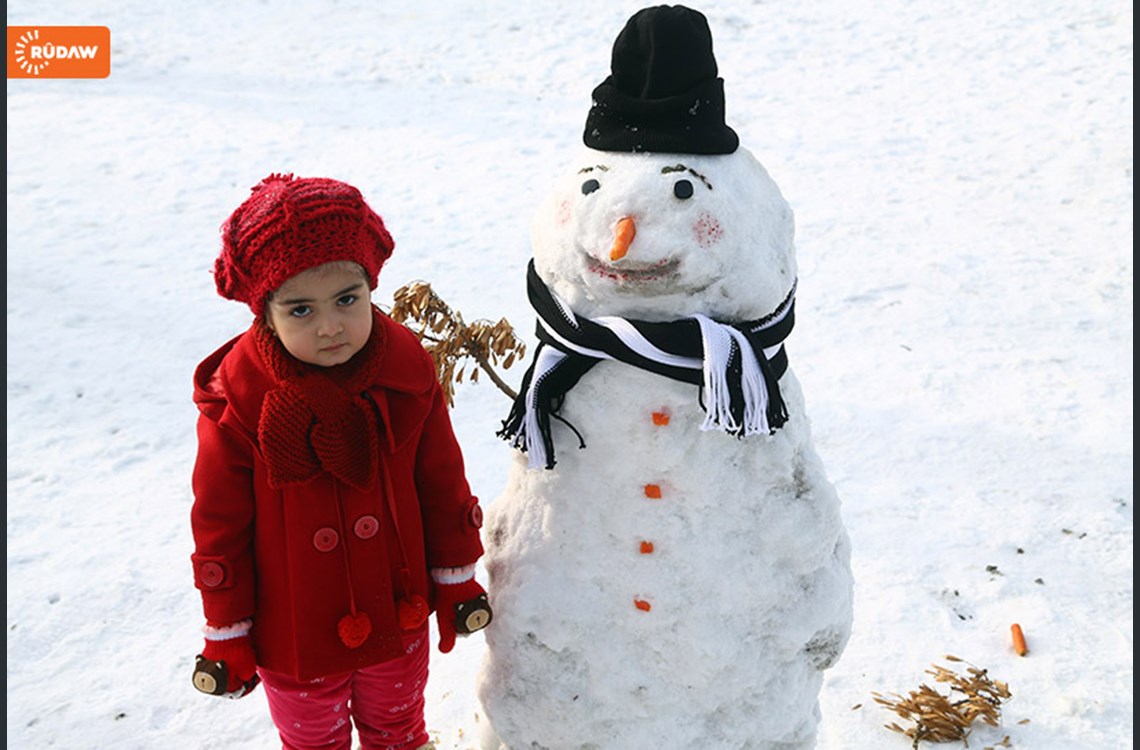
<point x="666" y="586"/>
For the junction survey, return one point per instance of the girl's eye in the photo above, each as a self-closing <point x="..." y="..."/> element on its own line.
<point x="683" y="189"/>
<point x="347" y="300"/>
<point x="590" y="186"/>
<point x="300" y="311"/>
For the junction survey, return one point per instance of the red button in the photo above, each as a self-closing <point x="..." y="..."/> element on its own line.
<point x="475" y="515"/>
<point x="366" y="527"/>
<point x="325" y="539"/>
<point x="211" y="574"/>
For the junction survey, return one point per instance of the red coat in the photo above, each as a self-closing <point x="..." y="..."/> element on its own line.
<point x="300" y="557"/>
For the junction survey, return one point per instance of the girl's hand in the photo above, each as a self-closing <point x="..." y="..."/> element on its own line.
<point x="226" y="668"/>
<point x="460" y="609"/>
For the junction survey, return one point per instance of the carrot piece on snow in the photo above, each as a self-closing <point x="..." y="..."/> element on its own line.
<point x="1018" y="640"/>
<point x="641" y="604"/>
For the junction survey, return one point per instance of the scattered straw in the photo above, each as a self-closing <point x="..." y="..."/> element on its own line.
<point x="450" y="341"/>
<point x="973" y="696"/>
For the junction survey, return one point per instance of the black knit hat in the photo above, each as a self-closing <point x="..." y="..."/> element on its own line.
<point x="663" y="94"/>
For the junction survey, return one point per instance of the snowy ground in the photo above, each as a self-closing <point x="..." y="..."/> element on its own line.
<point x="962" y="177"/>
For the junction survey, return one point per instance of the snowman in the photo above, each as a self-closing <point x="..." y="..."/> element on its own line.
<point x="667" y="563"/>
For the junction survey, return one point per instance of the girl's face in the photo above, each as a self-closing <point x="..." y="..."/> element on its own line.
<point x="322" y="316"/>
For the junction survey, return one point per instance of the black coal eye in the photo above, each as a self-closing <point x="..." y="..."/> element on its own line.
<point x="590" y="186"/>
<point x="683" y="189"/>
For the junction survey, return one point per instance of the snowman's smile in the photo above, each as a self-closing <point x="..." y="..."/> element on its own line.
<point x="632" y="272"/>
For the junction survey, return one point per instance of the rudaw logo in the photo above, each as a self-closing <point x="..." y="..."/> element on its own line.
<point x="59" y="52"/>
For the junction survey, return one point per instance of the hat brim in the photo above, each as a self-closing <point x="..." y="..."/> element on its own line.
<point x="691" y="122"/>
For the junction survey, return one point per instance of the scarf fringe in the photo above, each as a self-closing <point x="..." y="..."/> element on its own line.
<point x="527" y="426"/>
<point x="722" y="410"/>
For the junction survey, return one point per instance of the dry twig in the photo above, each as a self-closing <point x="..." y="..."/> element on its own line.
<point x="450" y="341"/>
<point x="946" y="718"/>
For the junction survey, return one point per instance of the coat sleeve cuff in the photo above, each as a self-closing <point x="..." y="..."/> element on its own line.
<point x="450" y="576"/>
<point x="227" y="632"/>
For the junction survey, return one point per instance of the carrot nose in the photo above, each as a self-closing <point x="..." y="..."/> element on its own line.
<point x="623" y="236"/>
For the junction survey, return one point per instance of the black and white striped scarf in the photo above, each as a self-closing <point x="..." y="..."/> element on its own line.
<point x="740" y="394"/>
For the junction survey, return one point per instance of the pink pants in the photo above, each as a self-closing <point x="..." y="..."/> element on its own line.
<point x="385" y="701"/>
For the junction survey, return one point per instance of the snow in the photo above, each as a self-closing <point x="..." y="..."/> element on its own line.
<point x="961" y="175"/>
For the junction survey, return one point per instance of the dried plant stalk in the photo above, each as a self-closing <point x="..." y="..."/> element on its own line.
<point x="451" y="342"/>
<point x="973" y="696"/>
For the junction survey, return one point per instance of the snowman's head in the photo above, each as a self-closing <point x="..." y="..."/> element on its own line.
<point x="658" y="236"/>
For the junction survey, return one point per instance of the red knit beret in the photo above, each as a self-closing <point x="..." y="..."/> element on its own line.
<point x="291" y="224"/>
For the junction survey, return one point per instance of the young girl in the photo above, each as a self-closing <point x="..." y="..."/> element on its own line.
<point x="331" y="510"/>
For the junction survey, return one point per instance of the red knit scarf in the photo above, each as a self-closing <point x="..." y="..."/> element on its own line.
<point x="317" y="418"/>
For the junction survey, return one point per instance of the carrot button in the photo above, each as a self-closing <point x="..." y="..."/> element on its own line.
<point x="641" y="604"/>
<point x="647" y="548"/>
<point x="653" y="491"/>
<point x="660" y="418"/>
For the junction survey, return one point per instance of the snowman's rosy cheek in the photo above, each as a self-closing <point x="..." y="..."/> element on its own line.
<point x="707" y="230"/>
<point x="562" y="216"/>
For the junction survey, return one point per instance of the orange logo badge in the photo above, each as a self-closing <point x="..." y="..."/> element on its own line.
<point x="59" y="52"/>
